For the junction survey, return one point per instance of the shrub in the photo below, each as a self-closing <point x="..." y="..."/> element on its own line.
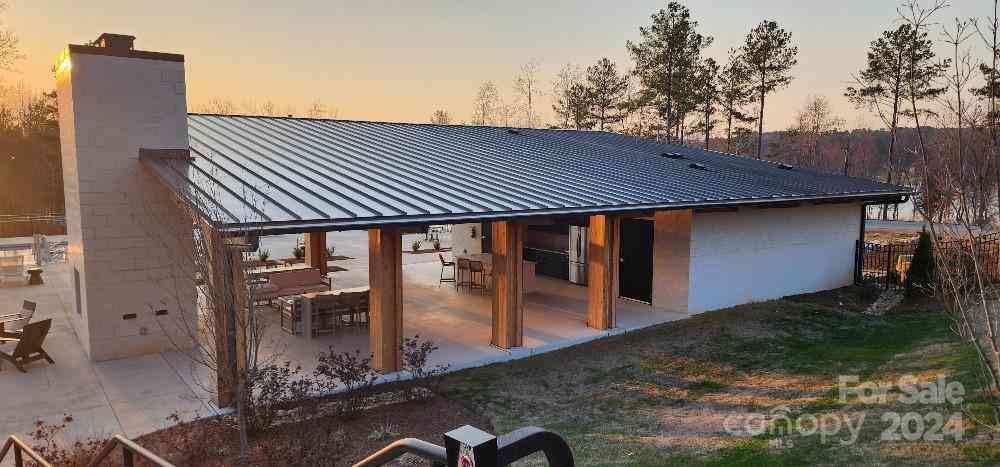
<point x="920" y="277"/>
<point x="46" y="443"/>
<point x="349" y="370"/>
<point x="415" y="246"/>
<point x="416" y="353"/>
<point x="263" y="255"/>
<point x="437" y="244"/>
<point x="299" y="252"/>
<point x="271" y="388"/>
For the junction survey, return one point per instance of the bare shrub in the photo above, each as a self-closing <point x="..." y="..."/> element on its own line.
<point x="350" y="371"/>
<point x="273" y="388"/>
<point x="47" y="442"/>
<point x="416" y="354"/>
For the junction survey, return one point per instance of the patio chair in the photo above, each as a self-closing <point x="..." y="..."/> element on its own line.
<point x="444" y="266"/>
<point x="12" y="324"/>
<point x="29" y="346"/>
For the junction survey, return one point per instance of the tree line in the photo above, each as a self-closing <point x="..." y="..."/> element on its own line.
<point x="672" y="92"/>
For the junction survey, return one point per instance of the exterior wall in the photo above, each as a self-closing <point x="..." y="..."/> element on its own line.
<point x="671" y="260"/>
<point x="125" y="231"/>
<point x="462" y="240"/>
<point x="762" y="254"/>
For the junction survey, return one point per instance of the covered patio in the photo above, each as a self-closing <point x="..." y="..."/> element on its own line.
<point x="458" y="320"/>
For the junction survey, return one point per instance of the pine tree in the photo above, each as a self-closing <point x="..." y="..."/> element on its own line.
<point x="769" y="55"/>
<point x="606" y="91"/>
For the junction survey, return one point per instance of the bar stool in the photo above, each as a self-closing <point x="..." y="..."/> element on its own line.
<point x="463" y="265"/>
<point x="477" y="268"/>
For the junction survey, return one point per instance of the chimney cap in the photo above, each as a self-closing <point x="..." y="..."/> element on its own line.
<point x="115" y="41"/>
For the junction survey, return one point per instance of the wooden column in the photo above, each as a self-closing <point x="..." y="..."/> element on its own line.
<point x="227" y="298"/>
<point x="385" y="272"/>
<point x="508" y="301"/>
<point x="315" y="243"/>
<point x="602" y="271"/>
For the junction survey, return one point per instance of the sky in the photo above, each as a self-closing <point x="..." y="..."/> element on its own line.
<point x="401" y="60"/>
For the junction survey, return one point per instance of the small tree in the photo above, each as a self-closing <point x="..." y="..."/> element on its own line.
<point x="920" y="277"/>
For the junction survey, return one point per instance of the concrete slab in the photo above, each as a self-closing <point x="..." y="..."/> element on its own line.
<point x="136" y="395"/>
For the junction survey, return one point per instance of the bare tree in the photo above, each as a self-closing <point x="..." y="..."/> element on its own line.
<point x="218" y="330"/>
<point x="441" y="117"/>
<point x="989" y="32"/>
<point x="488" y="106"/>
<point x="526" y="87"/>
<point x="563" y="104"/>
<point x="10" y="51"/>
<point x="958" y="80"/>
<point x="218" y="106"/>
<point x="318" y="109"/>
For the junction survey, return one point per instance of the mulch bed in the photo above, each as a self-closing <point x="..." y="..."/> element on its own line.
<point x="321" y="441"/>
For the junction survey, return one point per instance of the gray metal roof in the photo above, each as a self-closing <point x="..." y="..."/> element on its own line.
<point x="297" y="174"/>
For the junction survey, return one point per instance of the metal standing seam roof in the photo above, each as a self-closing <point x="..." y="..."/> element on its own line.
<point x="286" y="175"/>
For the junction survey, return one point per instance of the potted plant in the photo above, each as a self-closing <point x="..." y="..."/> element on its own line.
<point x="436" y="244"/>
<point x="299" y="252"/>
<point x="415" y="246"/>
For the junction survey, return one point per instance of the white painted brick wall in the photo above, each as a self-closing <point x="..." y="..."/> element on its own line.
<point x="109" y="108"/>
<point x="762" y="254"/>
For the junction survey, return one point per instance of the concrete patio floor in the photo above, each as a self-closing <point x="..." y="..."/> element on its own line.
<point x="136" y="395"/>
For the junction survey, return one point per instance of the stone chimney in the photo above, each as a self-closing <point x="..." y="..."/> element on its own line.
<point x="128" y="292"/>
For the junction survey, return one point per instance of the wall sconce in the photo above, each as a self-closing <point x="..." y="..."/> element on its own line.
<point x="473" y="232"/>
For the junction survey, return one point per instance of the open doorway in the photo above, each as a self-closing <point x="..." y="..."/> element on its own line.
<point x="635" y="275"/>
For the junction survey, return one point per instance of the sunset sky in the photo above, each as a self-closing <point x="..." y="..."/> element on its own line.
<point x="400" y="61"/>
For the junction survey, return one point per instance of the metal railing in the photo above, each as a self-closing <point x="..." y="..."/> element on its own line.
<point x="524" y="442"/>
<point x="511" y="447"/>
<point x="429" y="451"/>
<point x="129" y="451"/>
<point x="20" y="451"/>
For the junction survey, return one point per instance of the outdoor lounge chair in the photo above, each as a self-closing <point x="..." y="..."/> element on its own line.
<point x="12" y="324"/>
<point x="29" y="345"/>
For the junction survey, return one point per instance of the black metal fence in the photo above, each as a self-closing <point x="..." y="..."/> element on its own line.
<point x="886" y="265"/>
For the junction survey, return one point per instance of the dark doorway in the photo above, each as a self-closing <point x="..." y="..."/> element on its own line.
<point x="635" y="275"/>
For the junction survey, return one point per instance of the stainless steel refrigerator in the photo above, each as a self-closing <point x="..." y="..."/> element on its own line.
<point x="577" y="249"/>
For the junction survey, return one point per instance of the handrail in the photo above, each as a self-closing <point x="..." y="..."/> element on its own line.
<point x="429" y="451"/>
<point x="20" y="449"/>
<point x="129" y="451"/>
<point x="523" y="442"/>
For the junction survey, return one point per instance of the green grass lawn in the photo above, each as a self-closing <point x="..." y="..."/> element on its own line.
<point x="662" y="396"/>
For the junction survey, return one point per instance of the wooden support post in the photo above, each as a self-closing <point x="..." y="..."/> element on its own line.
<point x="602" y="271"/>
<point x="508" y="300"/>
<point x="228" y="295"/>
<point x="385" y="272"/>
<point x="315" y="243"/>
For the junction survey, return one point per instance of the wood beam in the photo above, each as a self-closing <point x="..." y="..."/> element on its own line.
<point x="602" y="271"/>
<point x="227" y="298"/>
<point x="508" y="293"/>
<point x="385" y="272"/>
<point x="315" y="244"/>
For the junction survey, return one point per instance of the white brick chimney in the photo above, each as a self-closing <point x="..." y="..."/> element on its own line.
<point x="130" y="293"/>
